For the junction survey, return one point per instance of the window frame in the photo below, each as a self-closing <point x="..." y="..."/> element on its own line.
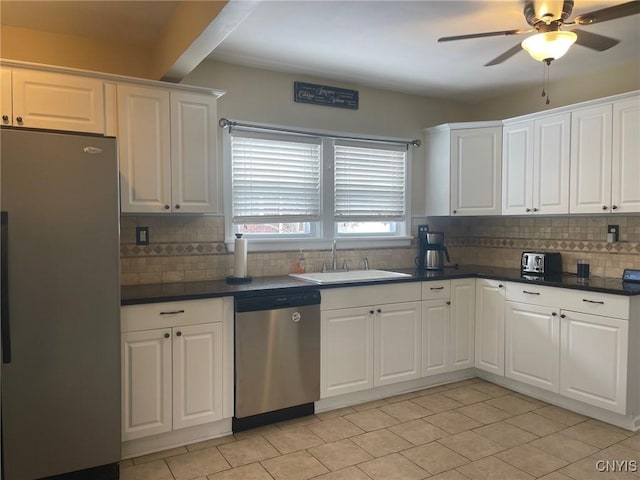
<point x="323" y="232"/>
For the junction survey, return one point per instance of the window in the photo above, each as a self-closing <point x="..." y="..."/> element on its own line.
<point x="287" y="186"/>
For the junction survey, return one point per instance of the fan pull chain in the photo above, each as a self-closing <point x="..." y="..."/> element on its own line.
<point x="545" y="81"/>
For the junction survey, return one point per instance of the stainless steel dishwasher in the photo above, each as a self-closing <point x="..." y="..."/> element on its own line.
<point x="277" y="352"/>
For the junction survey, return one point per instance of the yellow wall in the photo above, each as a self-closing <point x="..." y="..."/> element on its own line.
<point x="76" y="52"/>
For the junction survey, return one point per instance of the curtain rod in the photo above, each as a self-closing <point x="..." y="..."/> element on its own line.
<point x="226" y="123"/>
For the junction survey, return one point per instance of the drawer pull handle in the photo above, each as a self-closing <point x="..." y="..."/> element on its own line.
<point x="174" y="312"/>
<point x="592" y="301"/>
<point x="530" y="293"/>
<point x="436" y="288"/>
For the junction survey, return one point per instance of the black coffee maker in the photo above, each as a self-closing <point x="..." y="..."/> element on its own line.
<point x="431" y="249"/>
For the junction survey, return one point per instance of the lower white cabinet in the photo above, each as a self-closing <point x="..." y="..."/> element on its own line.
<point x="173" y="377"/>
<point x="364" y="345"/>
<point x="396" y="334"/>
<point x="448" y="326"/>
<point x="490" y="309"/>
<point x="532" y="345"/>
<point x="593" y="359"/>
<point x="346" y="351"/>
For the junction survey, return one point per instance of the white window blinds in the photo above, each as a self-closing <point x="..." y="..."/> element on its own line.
<point x="369" y="184"/>
<point x="275" y="180"/>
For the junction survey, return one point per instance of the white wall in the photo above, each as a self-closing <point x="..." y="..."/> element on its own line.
<point x="619" y="79"/>
<point x="263" y="96"/>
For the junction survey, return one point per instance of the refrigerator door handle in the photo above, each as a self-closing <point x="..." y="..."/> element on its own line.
<point x="4" y="289"/>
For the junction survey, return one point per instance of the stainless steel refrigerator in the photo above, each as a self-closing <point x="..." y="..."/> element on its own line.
<point x="60" y="305"/>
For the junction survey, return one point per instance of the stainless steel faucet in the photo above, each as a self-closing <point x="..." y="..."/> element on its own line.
<point x="334" y="257"/>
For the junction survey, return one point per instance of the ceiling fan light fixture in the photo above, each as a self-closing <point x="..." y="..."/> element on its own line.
<point x="549" y="46"/>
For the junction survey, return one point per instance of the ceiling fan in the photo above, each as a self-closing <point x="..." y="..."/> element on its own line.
<point x="551" y="42"/>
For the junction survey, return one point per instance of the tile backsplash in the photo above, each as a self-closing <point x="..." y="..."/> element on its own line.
<point x="190" y="248"/>
<point x="500" y="241"/>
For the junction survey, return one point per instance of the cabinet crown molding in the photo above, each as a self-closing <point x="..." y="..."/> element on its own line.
<point x="109" y="77"/>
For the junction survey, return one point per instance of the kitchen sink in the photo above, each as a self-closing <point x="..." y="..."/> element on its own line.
<point x="323" y="278"/>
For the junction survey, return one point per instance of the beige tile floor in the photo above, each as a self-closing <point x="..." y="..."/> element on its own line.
<point x="467" y="430"/>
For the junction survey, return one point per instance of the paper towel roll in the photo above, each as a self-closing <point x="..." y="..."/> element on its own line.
<point x="240" y="257"/>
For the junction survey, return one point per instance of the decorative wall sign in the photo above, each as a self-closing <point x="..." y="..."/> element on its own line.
<point x="325" y="95"/>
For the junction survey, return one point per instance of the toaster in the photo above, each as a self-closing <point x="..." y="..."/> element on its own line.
<point x="540" y="263"/>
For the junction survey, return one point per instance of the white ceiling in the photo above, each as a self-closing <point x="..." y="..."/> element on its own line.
<point x="393" y="44"/>
<point x="388" y="44"/>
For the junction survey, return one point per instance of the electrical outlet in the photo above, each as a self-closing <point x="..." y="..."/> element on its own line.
<point x="613" y="233"/>
<point x="142" y="235"/>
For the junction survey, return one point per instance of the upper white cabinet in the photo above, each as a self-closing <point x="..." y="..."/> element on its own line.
<point x="6" y="102"/>
<point x="167" y="143"/>
<point x="591" y="159"/>
<point x="463" y="169"/>
<point x="605" y="147"/>
<point x="535" y="166"/>
<point x="489" y="345"/>
<point x="55" y="101"/>
<point x="625" y="160"/>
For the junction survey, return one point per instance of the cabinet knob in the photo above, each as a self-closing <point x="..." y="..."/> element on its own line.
<point x="178" y="333"/>
<point x="379" y="310"/>
<point x="167" y="207"/>
<point x="371" y="312"/>
<point x="554" y="314"/>
<point x="614" y="207"/>
<point x="528" y="210"/>
<point x="5" y="118"/>
<point x="562" y="315"/>
<point x="19" y="120"/>
<point x="535" y="209"/>
<point x="448" y="302"/>
<point x="604" y="207"/>
<point x="177" y="207"/>
<point x="500" y="286"/>
<point x="455" y="211"/>
<point x="166" y="335"/>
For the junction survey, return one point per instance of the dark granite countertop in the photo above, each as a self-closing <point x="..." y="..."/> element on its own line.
<point x="168" y="292"/>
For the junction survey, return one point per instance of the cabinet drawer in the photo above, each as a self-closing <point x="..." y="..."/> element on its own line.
<point x="534" y="294"/>
<point x="595" y="303"/>
<point x="436" y="290"/>
<point x="350" y="297"/>
<point x="170" y="314"/>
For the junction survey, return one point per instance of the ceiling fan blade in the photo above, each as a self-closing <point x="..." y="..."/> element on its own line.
<point x="505" y="56"/>
<point x="609" y="13"/>
<point x="481" y="35"/>
<point x="595" y="41"/>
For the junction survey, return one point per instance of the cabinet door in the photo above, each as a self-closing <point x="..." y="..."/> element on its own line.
<point x="462" y="323"/>
<point x="532" y="345"/>
<point x="489" y="346"/>
<point x="593" y="359"/>
<point x="397" y="343"/>
<point x="435" y="336"/>
<point x="625" y="171"/>
<point x="144" y="147"/>
<point x="193" y="153"/>
<point x="476" y="165"/>
<point x="146" y="383"/>
<point x="591" y="160"/>
<point x="517" y="169"/>
<point x="6" y="108"/>
<point x="346" y="351"/>
<point x="197" y="374"/>
<point x="551" y="164"/>
<point x="58" y="102"/>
